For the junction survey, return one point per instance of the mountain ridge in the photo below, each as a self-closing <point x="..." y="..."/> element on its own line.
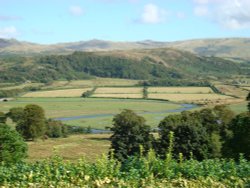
<point x="233" y="48"/>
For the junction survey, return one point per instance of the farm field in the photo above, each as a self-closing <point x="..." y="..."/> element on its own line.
<point x="97" y="82"/>
<point x="91" y="146"/>
<point x="95" y="108"/>
<point x="246" y="88"/>
<point x="118" y="90"/>
<point x="239" y="108"/>
<point x="58" y="93"/>
<point x="188" y="97"/>
<point x="180" y="90"/>
<point x="121" y="95"/>
<point x="232" y="90"/>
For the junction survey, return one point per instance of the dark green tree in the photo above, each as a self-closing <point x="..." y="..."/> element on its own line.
<point x="189" y="136"/>
<point x="12" y="146"/>
<point x="16" y="114"/>
<point x="56" y="129"/>
<point x="248" y="99"/>
<point x="130" y="132"/>
<point x="32" y="125"/>
<point x="239" y="142"/>
<point x="3" y="117"/>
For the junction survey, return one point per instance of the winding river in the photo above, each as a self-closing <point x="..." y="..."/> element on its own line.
<point x="184" y="107"/>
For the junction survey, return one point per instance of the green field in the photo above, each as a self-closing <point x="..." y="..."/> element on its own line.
<point x="239" y="108"/>
<point x="68" y="107"/>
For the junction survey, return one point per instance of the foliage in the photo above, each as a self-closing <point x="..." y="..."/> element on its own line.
<point x="145" y="92"/>
<point x="130" y="134"/>
<point x="32" y="124"/>
<point x="239" y="142"/>
<point x="89" y="93"/>
<point x="16" y="114"/>
<point x="201" y="132"/>
<point x="56" y="129"/>
<point x="3" y="117"/>
<point x="12" y="146"/>
<point x="148" y="171"/>
<point x="248" y="99"/>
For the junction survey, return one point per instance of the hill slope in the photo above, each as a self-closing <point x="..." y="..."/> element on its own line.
<point x="233" y="48"/>
<point x="146" y="64"/>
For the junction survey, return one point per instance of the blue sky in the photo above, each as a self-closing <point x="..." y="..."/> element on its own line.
<point x="54" y="21"/>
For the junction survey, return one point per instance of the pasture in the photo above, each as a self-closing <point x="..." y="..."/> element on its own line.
<point x="94" y="109"/>
<point x="178" y="97"/>
<point x="58" y="93"/>
<point x="118" y="90"/>
<point x="91" y="146"/>
<point x="180" y="90"/>
<point x="97" y="82"/>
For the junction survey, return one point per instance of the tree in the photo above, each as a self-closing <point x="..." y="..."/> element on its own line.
<point x="239" y="142"/>
<point x="12" y="146"/>
<point x="16" y="114"/>
<point x="248" y="99"/>
<point x="56" y="129"/>
<point x="3" y="117"/>
<point x="189" y="136"/>
<point x="130" y="132"/>
<point x="32" y="124"/>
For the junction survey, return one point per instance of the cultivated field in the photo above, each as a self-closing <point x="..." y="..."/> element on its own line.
<point x="97" y="82"/>
<point x="246" y="88"/>
<point x="180" y="90"/>
<point x="121" y="95"/>
<point x="232" y="90"/>
<point x="58" y="93"/>
<point x="188" y="97"/>
<point x="118" y="90"/>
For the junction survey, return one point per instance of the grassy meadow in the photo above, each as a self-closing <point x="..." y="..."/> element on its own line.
<point x="90" y="146"/>
<point x="183" y="90"/>
<point x="58" y="93"/>
<point x="68" y="107"/>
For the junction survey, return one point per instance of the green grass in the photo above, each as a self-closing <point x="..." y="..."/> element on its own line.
<point x="239" y="108"/>
<point x="68" y="107"/>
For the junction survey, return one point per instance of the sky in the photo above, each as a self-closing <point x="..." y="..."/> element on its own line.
<point x="57" y="21"/>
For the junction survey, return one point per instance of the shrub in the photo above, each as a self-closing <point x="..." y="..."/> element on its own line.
<point x="12" y="146"/>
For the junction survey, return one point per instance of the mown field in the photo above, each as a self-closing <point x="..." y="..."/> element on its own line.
<point x="58" y="93"/>
<point x="97" y="82"/>
<point x="99" y="112"/>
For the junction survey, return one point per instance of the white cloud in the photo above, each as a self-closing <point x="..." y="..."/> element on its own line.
<point x="76" y="10"/>
<point x="152" y="14"/>
<point x="231" y="14"/>
<point x="201" y="11"/>
<point x="8" y="32"/>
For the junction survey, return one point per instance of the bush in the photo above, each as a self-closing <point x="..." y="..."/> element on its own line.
<point x="56" y="129"/>
<point x="12" y="146"/>
<point x="3" y="117"/>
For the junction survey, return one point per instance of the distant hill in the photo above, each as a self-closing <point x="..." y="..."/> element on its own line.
<point x="173" y="66"/>
<point x="232" y="48"/>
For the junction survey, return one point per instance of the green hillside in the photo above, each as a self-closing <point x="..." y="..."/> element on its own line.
<point x="163" y="63"/>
